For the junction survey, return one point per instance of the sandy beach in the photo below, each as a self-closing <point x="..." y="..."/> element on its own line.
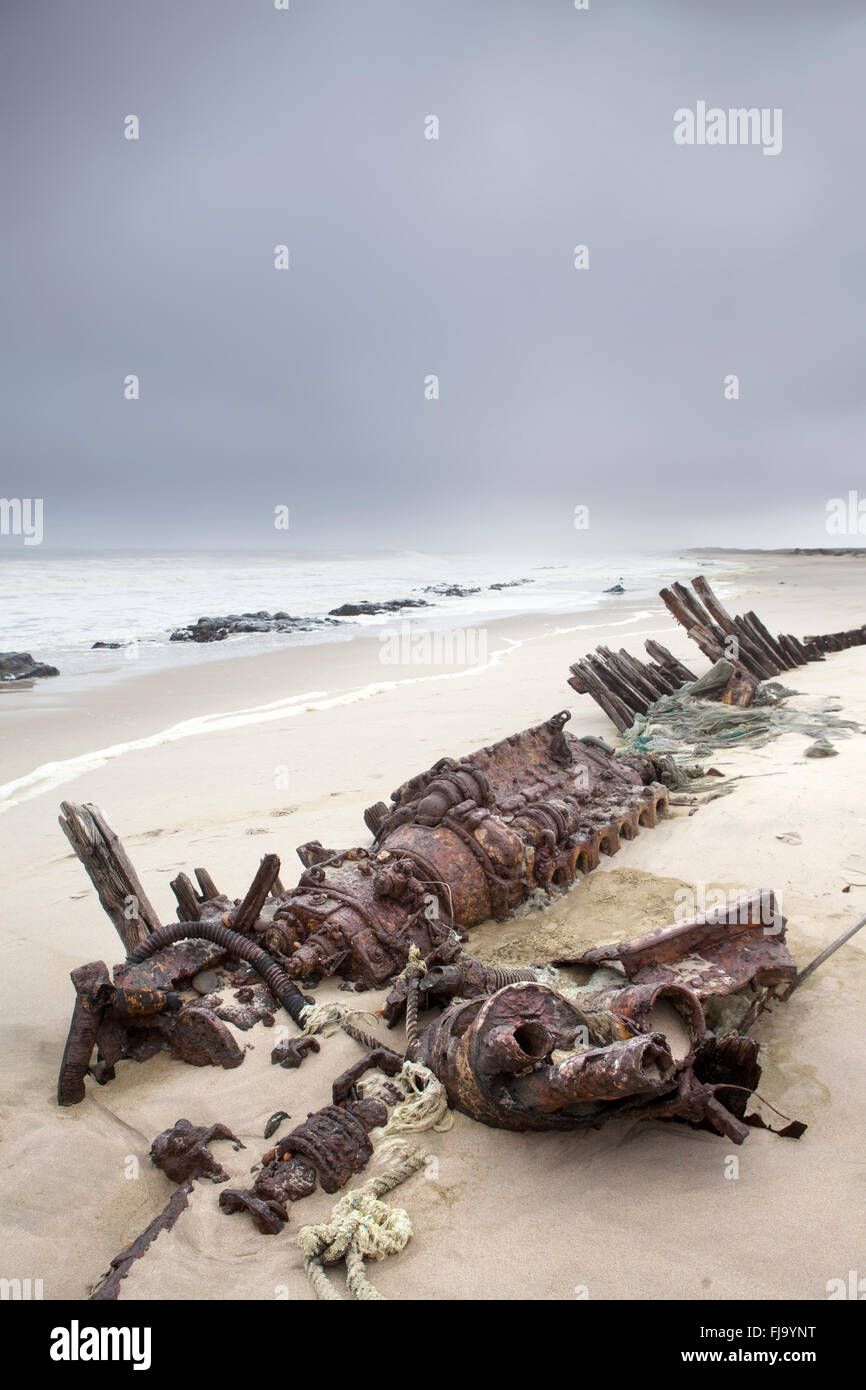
<point x="215" y="763"/>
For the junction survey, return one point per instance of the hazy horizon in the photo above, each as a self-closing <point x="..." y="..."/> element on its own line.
<point x="304" y="388"/>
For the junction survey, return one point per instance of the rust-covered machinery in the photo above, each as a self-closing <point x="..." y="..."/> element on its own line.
<point x="466" y="841"/>
<point x="463" y="842"/>
<point x="653" y="1027"/>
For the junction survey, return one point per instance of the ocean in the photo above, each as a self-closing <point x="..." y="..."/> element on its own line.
<point x="56" y="605"/>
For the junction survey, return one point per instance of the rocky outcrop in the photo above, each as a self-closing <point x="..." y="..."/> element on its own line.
<point x="449" y="590"/>
<point x="365" y="608"/>
<point x="19" y="666"/>
<point x="217" y="629"/>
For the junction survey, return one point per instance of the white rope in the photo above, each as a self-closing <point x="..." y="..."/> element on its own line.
<point x="361" y="1227"/>
<point x="327" y="1018"/>
<point x="425" y="1106"/>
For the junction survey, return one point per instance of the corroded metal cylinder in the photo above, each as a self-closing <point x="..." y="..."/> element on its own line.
<point x="462" y="843"/>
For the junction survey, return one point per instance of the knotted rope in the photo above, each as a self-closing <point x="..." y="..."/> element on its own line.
<point x="361" y="1227"/>
<point x="327" y="1018"/>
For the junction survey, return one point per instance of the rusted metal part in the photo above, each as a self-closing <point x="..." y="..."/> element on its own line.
<point x="824" y="955"/>
<point x="450" y="973"/>
<point x="336" y="1140"/>
<point x="382" y="1058"/>
<point x="108" y="1286"/>
<point x="135" y="1018"/>
<point x="173" y="967"/>
<point x="291" y="1052"/>
<point x="331" y="1146"/>
<point x="275" y="1121"/>
<point x="252" y="1004"/>
<point x="94" y="991"/>
<point x="182" y="1152"/>
<point x="460" y="843"/>
<point x="239" y="946"/>
<point x="647" y="1029"/>
<point x="518" y="1059"/>
<point x="715" y="954"/>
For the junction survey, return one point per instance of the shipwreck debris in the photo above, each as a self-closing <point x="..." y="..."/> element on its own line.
<point x="743" y="651"/>
<point x="331" y="1145"/>
<point x="292" y="1051"/>
<point x="746" y="640"/>
<point x="463" y="842"/>
<point x="530" y="1056"/>
<point x="110" y="871"/>
<point x="182" y="1154"/>
<point x="623" y="686"/>
<point x="140" y="1011"/>
<point x="129" y="1019"/>
<point x="108" y="1286"/>
<point x="460" y="843"/>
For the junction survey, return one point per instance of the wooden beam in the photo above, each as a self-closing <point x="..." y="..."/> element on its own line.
<point x="111" y="872"/>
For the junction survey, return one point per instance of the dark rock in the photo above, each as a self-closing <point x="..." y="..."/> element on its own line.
<point x="510" y="583"/>
<point x="822" y="748"/>
<point x="615" y="589"/>
<point x="217" y="629"/>
<point x="449" y="590"/>
<point x="19" y="666"/>
<point x="107" y="646"/>
<point x="365" y="608"/>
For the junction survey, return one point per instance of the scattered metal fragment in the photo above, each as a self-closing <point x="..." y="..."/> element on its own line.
<point x="331" y="1145"/>
<point x="181" y="1152"/>
<point x="292" y="1051"/>
<point x="108" y="1286"/>
<point x="252" y="1004"/>
<point x="824" y="955"/>
<point x="275" y="1121"/>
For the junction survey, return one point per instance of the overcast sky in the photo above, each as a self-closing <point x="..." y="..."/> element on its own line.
<point x="410" y="257"/>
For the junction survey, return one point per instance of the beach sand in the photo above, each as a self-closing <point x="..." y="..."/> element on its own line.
<point x="647" y="1210"/>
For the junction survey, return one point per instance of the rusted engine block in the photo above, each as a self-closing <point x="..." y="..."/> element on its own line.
<point x="649" y="1032"/>
<point x="463" y="842"/>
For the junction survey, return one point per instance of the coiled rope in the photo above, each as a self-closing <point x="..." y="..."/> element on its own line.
<point x="361" y="1227"/>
